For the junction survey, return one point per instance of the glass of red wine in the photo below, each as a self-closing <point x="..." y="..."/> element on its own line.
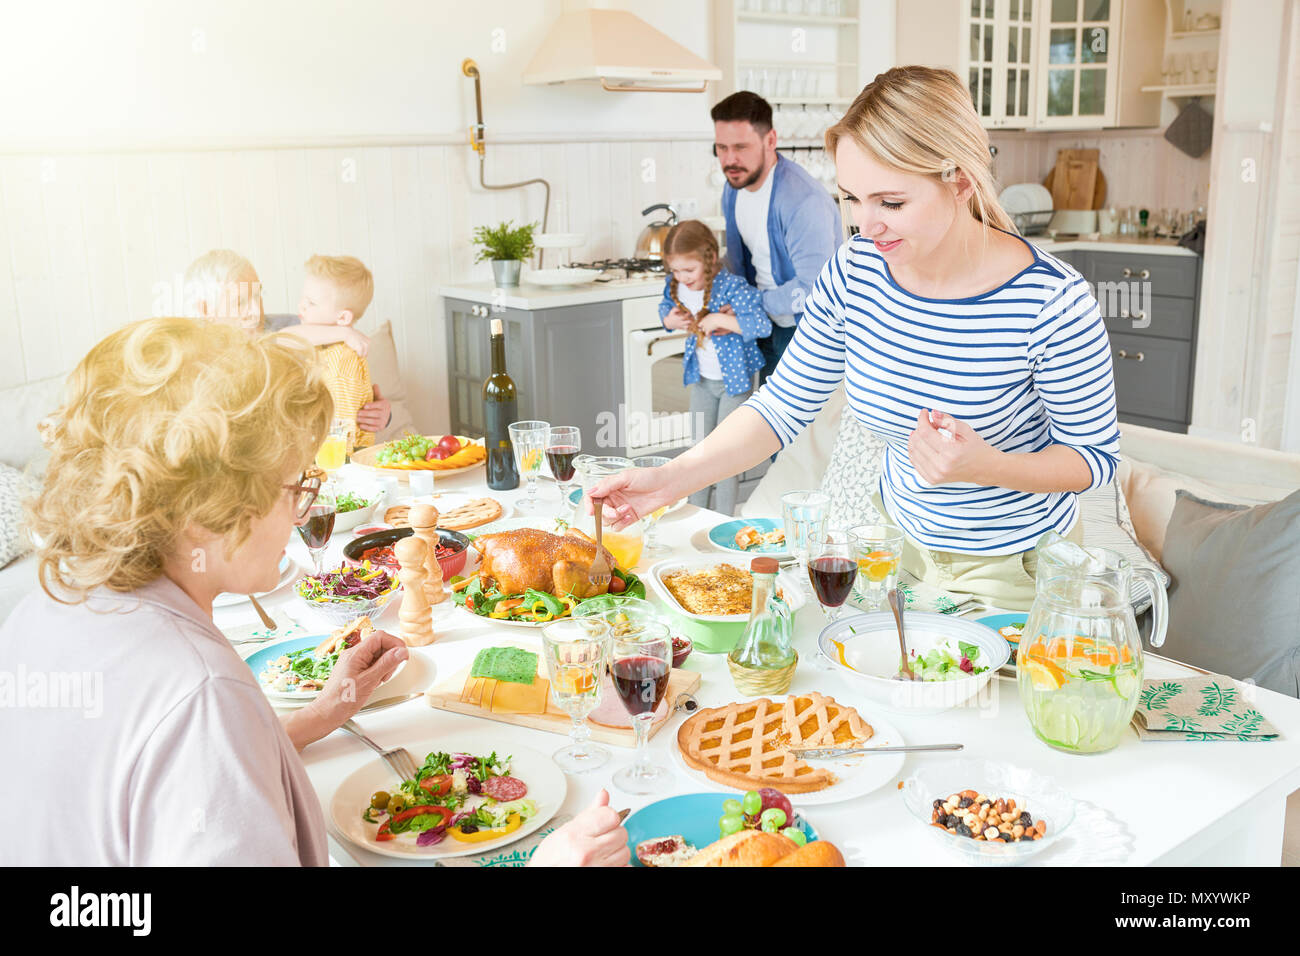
<point x="563" y="443"/>
<point x="318" y="524"/>
<point x="640" y="660"/>
<point x="832" y="569"/>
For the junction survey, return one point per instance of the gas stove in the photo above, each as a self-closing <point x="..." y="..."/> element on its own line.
<point x="615" y="270"/>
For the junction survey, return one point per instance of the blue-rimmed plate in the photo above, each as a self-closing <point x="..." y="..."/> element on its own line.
<point x="724" y="535"/>
<point x="692" y="815"/>
<point x="1014" y="619"/>
<point x="260" y="659"/>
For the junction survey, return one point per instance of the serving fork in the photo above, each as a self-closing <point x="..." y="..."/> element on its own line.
<point x="599" y="573"/>
<point x="397" y="758"/>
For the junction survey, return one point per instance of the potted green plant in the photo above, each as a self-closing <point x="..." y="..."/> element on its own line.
<point x="507" y="247"/>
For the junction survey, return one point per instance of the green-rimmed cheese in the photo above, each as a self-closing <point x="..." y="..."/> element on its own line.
<point x="511" y="664"/>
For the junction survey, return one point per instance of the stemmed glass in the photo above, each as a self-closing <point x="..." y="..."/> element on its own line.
<point x="318" y="524"/>
<point x="880" y="553"/>
<point x="577" y="652"/>
<point x="529" y="440"/>
<point x="641" y="659"/>
<point x="832" y="569"/>
<point x="652" y="520"/>
<point x="562" y="447"/>
<point x="804" y="516"/>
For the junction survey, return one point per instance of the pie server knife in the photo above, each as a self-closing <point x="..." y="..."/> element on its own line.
<point x="824" y="752"/>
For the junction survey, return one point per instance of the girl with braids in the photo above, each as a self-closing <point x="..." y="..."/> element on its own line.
<point x="981" y="360"/>
<point x="725" y="315"/>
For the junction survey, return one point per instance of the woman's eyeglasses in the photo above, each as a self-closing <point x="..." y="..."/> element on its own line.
<point x="304" y="493"/>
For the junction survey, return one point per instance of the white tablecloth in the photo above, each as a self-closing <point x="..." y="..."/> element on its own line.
<point x="1154" y="803"/>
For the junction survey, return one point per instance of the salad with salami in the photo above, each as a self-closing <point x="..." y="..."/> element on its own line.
<point x="460" y="797"/>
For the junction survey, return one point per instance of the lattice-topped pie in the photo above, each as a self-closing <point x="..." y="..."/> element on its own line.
<point x="747" y="745"/>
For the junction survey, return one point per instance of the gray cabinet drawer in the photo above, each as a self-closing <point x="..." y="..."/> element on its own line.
<point x="1168" y="275"/>
<point x="1167" y="317"/>
<point x="1152" y="376"/>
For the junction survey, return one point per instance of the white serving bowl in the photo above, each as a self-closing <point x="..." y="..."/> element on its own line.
<point x="1038" y="795"/>
<point x="354" y="519"/>
<point x="871" y="651"/>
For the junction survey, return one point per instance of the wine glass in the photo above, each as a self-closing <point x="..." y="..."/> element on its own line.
<point x="652" y="520"/>
<point x="832" y="569"/>
<point x="318" y="524"/>
<point x="529" y="440"/>
<point x="804" y="516"/>
<point x="577" y="652"/>
<point x="641" y="659"/>
<point x="562" y="447"/>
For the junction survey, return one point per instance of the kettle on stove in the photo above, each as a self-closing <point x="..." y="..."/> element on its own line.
<point x="650" y="244"/>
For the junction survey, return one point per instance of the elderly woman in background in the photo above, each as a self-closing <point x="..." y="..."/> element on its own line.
<point x="178" y="474"/>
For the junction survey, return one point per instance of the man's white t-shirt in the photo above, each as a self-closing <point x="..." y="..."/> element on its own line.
<point x="751" y="221"/>
<point x="706" y="354"/>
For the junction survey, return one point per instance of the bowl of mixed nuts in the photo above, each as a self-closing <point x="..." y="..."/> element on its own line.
<point x="989" y="813"/>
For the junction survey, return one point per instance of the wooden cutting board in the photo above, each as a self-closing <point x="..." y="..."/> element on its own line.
<point x="445" y="695"/>
<point x="1074" y="179"/>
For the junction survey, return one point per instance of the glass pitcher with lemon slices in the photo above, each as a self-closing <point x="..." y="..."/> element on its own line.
<point x="1079" y="663"/>
<point x="624" y="545"/>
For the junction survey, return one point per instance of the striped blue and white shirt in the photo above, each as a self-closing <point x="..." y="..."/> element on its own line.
<point x="1026" y="365"/>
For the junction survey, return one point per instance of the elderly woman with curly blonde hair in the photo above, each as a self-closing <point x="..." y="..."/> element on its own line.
<point x="178" y="474"/>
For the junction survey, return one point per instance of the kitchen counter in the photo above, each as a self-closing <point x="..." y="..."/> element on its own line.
<point x="532" y="298"/>
<point x="1164" y="247"/>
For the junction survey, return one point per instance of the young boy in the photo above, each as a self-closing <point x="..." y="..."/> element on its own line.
<point x="335" y="293"/>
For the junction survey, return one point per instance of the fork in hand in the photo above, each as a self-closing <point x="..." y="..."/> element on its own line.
<point x="398" y="759"/>
<point x="599" y="574"/>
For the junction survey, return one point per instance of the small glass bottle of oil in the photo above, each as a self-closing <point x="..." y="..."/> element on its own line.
<point x="763" y="660"/>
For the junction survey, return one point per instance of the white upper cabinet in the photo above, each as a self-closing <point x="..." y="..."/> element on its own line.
<point x="1043" y="64"/>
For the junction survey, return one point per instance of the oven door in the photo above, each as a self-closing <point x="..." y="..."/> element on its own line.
<point x="657" y="410"/>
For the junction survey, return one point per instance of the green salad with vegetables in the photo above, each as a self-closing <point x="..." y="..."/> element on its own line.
<point x="537" y="607"/>
<point x="348" y="501"/>
<point x="940" y="663"/>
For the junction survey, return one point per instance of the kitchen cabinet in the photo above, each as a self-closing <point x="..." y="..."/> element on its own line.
<point x="1044" y="64"/>
<point x="567" y="365"/>
<point x="1152" y="330"/>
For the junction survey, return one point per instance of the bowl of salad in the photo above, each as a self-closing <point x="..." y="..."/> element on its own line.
<point x="954" y="659"/>
<point x="356" y="506"/>
<point x="343" y="594"/>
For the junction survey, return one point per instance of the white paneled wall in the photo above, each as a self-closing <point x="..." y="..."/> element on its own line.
<point x="91" y="241"/>
<point x="1141" y="167"/>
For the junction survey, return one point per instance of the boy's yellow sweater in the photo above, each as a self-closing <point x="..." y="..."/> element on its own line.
<point x="348" y="377"/>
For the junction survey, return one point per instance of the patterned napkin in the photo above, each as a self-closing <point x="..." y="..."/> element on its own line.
<point x="515" y="854"/>
<point x="919" y="596"/>
<point x="1199" y="708"/>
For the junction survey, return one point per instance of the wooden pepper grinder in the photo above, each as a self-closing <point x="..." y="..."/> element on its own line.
<point x="424" y="522"/>
<point x="415" y="614"/>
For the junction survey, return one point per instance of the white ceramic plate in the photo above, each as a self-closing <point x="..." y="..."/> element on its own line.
<point x="561" y="277"/>
<point x="787" y="580"/>
<point x="857" y="776"/>
<point x="546" y="787"/>
<point x="1025" y="197"/>
<point x="289" y="571"/>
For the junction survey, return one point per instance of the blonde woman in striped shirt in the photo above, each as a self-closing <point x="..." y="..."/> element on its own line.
<point x="982" y="361"/>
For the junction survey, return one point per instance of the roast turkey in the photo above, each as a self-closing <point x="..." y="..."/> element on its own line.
<point x="530" y="558"/>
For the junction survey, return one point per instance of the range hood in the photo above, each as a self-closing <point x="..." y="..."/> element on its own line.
<point x="620" y="50"/>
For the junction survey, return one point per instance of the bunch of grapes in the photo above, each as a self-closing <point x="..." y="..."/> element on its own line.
<point x="407" y="449"/>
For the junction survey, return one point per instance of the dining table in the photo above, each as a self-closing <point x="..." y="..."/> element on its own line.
<point x="1140" y="804"/>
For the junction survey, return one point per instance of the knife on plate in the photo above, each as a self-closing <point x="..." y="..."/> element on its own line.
<point x="822" y="753"/>
<point x="388" y="702"/>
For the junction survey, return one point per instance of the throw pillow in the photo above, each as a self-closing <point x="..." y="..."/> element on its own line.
<point x="385" y="372"/>
<point x="15" y="487"/>
<point x="853" y="474"/>
<point x="1150" y="492"/>
<point x="1235" y="607"/>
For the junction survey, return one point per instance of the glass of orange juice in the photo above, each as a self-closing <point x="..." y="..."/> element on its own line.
<point x="336" y="446"/>
<point x="880" y="554"/>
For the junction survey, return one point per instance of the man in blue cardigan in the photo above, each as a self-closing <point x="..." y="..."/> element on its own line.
<point x="782" y="225"/>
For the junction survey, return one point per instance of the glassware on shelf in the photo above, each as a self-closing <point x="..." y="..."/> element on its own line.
<point x="577" y="654"/>
<point x="529" y="441"/>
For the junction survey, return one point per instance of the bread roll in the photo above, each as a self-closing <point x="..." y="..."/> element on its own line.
<point x="746" y="848"/>
<point x="817" y="853"/>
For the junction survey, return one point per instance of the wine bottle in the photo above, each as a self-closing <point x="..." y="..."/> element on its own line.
<point x="500" y="408"/>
